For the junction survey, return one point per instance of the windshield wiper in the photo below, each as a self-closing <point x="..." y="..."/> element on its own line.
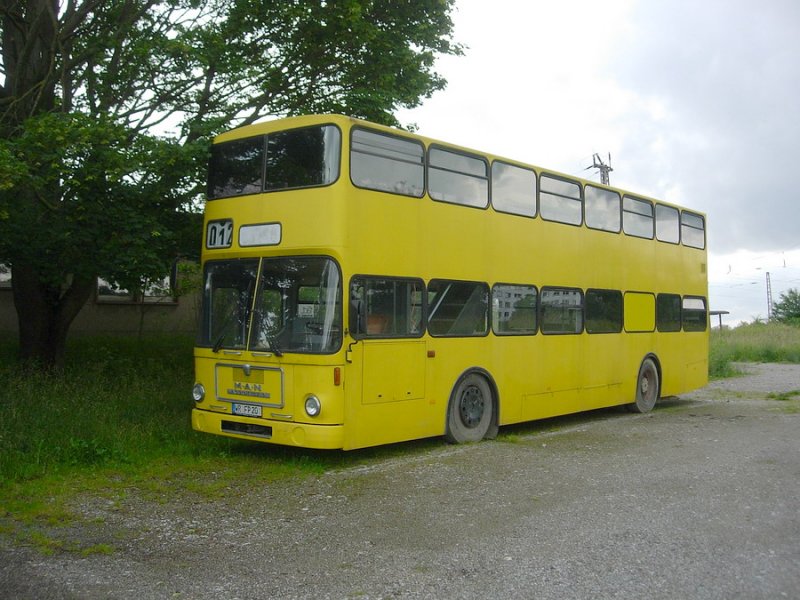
<point x="273" y="347"/>
<point x="218" y="343"/>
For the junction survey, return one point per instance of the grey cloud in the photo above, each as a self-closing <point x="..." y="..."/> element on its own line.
<point x="729" y="77"/>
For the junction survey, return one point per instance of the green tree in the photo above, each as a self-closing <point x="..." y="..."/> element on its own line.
<point x="88" y="188"/>
<point x="787" y="309"/>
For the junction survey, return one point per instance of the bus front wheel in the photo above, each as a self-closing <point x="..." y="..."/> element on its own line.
<point x="647" y="388"/>
<point x="470" y="413"/>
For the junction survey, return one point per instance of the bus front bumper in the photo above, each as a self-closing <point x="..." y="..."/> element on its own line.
<point x="302" y="435"/>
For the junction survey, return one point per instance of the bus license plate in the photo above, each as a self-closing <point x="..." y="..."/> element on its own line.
<point x="246" y="410"/>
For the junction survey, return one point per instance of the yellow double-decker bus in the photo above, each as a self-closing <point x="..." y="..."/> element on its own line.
<point x="364" y="285"/>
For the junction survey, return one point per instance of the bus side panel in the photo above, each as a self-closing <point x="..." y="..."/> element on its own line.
<point x="578" y="372"/>
<point x="517" y="362"/>
<point x="671" y="352"/>
<point x="684" y="365"/>
<point x="555" y="380"/>
<point x="602" y="371"/>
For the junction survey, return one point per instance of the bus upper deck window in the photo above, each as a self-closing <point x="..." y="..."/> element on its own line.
<point x="291" y="159"/>
<point x="637" y="217"/>
<point x="603" y="209"/>
<point x="387" y="163"/>
<point x="302" y="158"/>
<point x="693" y="230"/>
<point x="236" y="168"/>
<point x="560" y="200"/>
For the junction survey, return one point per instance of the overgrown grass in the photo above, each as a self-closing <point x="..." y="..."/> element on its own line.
<point x="753" y="342"/>
<point x="119" y="402"/>
<point x="118" y="419"/>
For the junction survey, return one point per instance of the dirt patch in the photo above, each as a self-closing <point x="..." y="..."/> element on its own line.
<point x="758" y="378"/>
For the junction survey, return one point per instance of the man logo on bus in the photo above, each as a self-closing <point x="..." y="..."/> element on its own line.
<point x="241" y="388"/>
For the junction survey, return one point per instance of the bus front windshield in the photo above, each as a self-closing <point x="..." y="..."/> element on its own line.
<point x="277" y="305"/>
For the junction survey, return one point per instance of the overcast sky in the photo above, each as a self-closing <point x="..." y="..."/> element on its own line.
<point x="698" y="103"/>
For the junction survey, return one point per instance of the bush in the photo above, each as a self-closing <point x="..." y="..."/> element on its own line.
<point x="787" y="309"/>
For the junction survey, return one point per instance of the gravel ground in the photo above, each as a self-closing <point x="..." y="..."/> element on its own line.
<point x="698" y="499"/>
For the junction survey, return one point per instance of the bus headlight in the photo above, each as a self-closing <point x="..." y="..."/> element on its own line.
<point x="198" y="392"/>
<point x="313" y="406"/>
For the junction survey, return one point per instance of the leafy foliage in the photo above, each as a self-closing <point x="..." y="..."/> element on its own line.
<point x="787" y="309"/>
<point x="207" y="63"/>
<point x="106" y="109"/>
<point x="116" y="213"/>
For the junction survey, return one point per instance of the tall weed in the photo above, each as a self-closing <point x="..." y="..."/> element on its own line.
<point x="753" y="342"/>
<point x="119" y="401"/>
<point x="124" y="405"/>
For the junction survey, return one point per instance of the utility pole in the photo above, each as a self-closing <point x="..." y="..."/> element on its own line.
<point x="605" y="169"/>
<point x="769" y="298"/>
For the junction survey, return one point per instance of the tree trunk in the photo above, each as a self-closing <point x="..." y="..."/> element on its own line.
<point x="29" y="34"/>
<point x="30" y="56"/>
<point x="45" y="313"/>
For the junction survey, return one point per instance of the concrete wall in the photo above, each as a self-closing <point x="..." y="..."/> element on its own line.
<point x="116" y="317"/>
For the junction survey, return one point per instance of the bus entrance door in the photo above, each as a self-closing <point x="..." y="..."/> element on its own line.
<point x="390" y="404"/>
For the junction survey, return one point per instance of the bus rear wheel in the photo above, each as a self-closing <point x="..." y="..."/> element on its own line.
<point x="471" y="410"/>
<point x="647" y="388"/>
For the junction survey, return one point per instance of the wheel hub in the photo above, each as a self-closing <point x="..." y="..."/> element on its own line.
<point x="471" y="407"/>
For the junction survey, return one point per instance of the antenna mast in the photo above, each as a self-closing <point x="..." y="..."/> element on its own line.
<point x="604" y="168"/>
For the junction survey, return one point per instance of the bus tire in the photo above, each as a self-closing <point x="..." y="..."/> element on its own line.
<point x="647" y="388"/>
<point x="470" y="413"/>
